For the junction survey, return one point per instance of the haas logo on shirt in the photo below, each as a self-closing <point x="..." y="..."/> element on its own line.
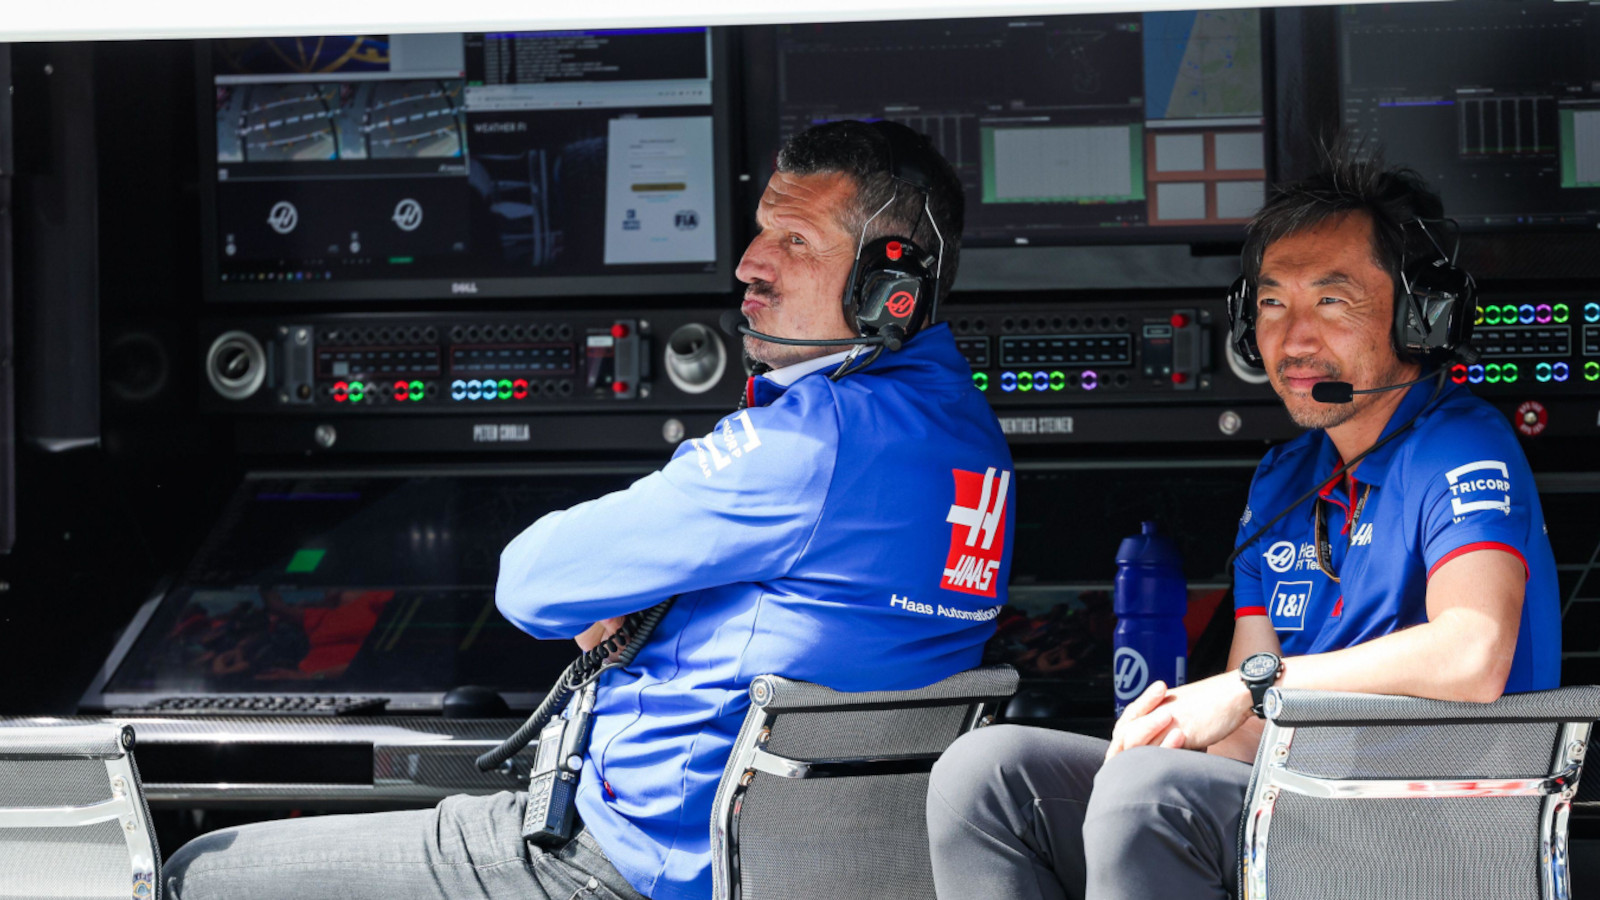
<point x="977" y="532"/>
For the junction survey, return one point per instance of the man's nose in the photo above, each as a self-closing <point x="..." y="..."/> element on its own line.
<point x="1302" y="332"/>
<point x="756" y="264"/>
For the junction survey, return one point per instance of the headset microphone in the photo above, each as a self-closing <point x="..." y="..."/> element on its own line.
<point x="1344" y="391"/>
<point x="734" y="324"/>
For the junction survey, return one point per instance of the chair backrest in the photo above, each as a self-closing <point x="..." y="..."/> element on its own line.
<point x="823" y="796"/>
<point x="1362" y="796"/>
<point x="73" y="821"/>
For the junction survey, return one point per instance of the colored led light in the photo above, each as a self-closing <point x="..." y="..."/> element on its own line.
<point x="341" y="392"/>
<point x="458" y="390"/>
<point x="980" y="380"/>
<point x="1458" y="373"/>
<point x="1475" y="374"/>
<point x="1008" y="381"/>
<point x="1541" y="372"/>
<point x="505" y="388"/>
<point x="1591" y="312"/>
<point x="1543" y="313"/>
<point x="1024" y="381"/>
<point x="519" y="389"/>
<point x="1560" y="372"/>
<point x="357" y="391"/>
<point x="401" y="391"/>
<point x="1491" y="316"/>
<point x="417" y="390"/>
<point x="1508" y="373"/>
<point x="1491" y="373"/>
<point x="1041" y="380"/>
<point x="1591" y="371"/>
<point x="1477" y="318"/>
<point x="1526" y="313"/>
<point x="474" y="390"/>
<point x="1560" y="313"/>
<point x="1090" y="380"/>
<point x="1058" y="380"/>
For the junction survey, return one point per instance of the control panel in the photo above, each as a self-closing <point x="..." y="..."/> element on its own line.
<point x="393" y="364"/>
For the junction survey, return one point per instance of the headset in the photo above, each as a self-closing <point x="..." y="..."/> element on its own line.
<point x="893" y="288"/>
<point x="1435" y="303"/>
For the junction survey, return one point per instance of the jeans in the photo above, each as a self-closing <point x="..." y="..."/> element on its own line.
<point x="1027" y="813"/>
<point x="466" y="847"/>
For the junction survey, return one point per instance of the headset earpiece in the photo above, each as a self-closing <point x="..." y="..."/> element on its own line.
<point x="889" y="286"/>
<point x="1242" y="322"/>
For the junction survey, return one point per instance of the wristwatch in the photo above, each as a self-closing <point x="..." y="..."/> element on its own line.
<point x="1260" y="671"/>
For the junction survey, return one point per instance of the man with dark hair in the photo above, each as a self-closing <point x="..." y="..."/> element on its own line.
<point x="1420" y="569"/>
<point x="848" y="527"/>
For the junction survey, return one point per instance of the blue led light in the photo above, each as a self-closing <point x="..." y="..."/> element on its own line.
<point x="1542" y="372"/>
<point x="1560" y="372"/>
<point x="458" y="390"/>
<point x="1475" y="374"/>
<point x="1526" y="313"/>
<point x="474" y="390"/>
<point x="1008" y="381"/>
<point x="1041" y="381"/>
<point x="1591" y="312"/>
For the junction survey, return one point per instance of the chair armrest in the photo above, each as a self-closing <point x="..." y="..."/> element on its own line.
<point x="43" y="739"/>
<point x="1300" y="708"/>
<point x="777" y="694"/>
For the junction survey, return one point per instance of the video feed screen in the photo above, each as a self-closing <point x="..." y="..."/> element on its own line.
<point x="1495" y="102"/>
<point x="480" y="164"/>
<point x="363" y="585"/>
<point x="1128" y="126"/>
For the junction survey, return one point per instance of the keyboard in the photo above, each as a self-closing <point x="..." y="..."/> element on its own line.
<point x="259" y="705"/>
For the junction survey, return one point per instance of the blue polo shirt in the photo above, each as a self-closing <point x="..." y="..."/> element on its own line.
<point x="1458" y="482"/>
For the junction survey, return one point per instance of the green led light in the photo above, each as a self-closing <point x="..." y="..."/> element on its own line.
<point x="401" y="260"/>
<point x="1491" y="316"/>
<point x="418" y="389"/>
<point x="1024" y="381"/>
<point x="306" y="560"/>
<point x="505" y="389"/>
<point x="1508" y="373"/>
<point x="357" y="389"/>
<point x="981" y="380"/>
<point x="1058" y="381"/>
<point x="1561" y="313"/>
<point x="1591" y="371"/>
<point x="1491" y="373"/>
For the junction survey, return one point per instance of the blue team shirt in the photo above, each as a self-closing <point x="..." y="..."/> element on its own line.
<point x="1457" y="482"/>
<point x="852" y="533"/>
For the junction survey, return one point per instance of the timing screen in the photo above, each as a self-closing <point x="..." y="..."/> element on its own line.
<point x="1059" y="127"/>
<point x="465" y="156"/>
<point x="1497" y="105"/>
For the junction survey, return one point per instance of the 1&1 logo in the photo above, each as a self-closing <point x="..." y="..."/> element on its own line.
<point x="1130" y="672"/>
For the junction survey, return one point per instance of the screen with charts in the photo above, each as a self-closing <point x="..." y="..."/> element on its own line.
<point x="374" y="585"/>
<point x="1129" y="126"/>
<point x="1495" y="102"/>
<point x="442" y="165"/>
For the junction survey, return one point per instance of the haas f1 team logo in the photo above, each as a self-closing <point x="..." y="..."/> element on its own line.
<point x="977" y="532"/>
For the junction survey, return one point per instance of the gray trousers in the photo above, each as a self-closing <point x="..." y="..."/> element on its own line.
<point x="466" y="847"/>
<point x="1030" y="813"/>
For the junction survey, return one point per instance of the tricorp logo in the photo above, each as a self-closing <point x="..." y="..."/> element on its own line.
<point x="1479" y="486"/>
<point x="977" y="533"/>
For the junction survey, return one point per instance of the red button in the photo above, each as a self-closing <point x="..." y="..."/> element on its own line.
<point x="1180" y="378"/>
<point x="893" y="250"/>
<point x="1179" y="320"/>
<point x="619" y="387"/>
<point x="619" y="331"/>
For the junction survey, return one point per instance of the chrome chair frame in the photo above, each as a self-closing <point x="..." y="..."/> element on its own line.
<point x="750" y="758"/>
<point x="112" y="744"/>
<point x="1273" y="776"/>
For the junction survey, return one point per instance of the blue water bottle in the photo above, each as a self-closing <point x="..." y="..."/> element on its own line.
<point x="1150" y="600"/>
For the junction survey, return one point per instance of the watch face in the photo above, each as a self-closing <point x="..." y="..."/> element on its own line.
<point x="1258" y="666"/>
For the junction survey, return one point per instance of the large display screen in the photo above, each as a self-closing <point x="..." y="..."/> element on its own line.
<point x="440" y="165"/>
<point x="1495" y="102"/>
<point x="1126" y="127"/>
<point x="355" y="585"/>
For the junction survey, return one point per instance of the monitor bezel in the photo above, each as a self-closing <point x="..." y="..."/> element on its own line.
<point x="467" y="286"/>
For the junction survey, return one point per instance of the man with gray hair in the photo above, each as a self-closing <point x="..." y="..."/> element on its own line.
<point x="848" y="526"/>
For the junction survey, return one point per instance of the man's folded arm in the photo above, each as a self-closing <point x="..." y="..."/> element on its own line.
<point x="693" y="525"/>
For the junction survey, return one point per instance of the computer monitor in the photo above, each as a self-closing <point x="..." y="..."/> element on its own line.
<point x="1495" y="103"/>
<point x="366" y="584"/>
<point x="1127" y="127"/>
<point x="441" y="166"/>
